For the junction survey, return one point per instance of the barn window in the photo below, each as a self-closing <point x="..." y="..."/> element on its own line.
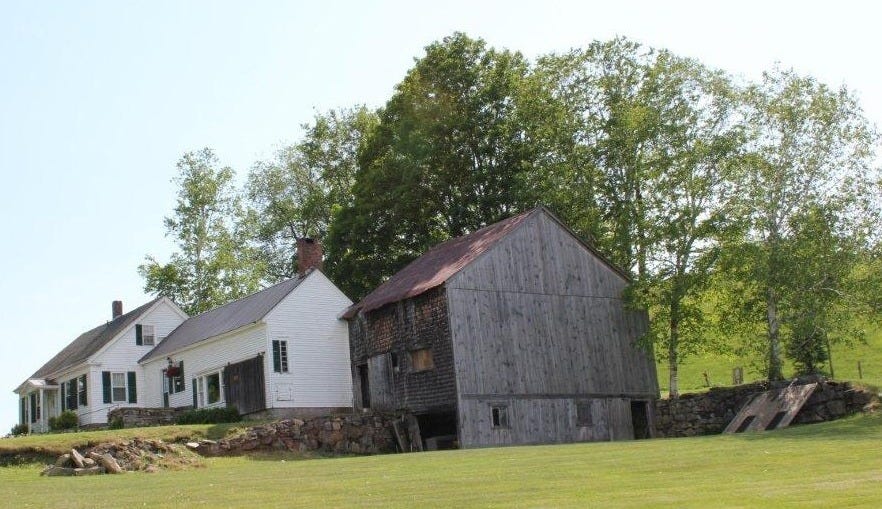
<point x="280" y="356"/>
<point x="422" y="359"/>
<point x="499" y="416"/>
<point x="118" y="386"/>
<point x="82" y="391"/>
<point x="394" y="362"/>
<point x="583" y="413"/>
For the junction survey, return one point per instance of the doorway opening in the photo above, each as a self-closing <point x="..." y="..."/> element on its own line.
<point x="640" y="419"/>
<point x="364" y="385"/>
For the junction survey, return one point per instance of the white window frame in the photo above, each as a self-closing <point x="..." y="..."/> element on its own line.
<point x="124" y="387"/>
<point x="202" y="389"/>
<point x="145" y="334"/>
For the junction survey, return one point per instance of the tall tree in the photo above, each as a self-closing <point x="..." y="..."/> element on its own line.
<point x="446" y="158"/>
<point x="296" y="194"/>
<point x="212" y="265"/>
<point x="810" y="146"/>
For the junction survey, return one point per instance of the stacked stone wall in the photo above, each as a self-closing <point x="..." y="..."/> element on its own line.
<point x="709" y="413"/>
<point x="139" y="417"/>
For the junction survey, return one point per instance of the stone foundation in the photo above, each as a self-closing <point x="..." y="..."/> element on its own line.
<point x="709" y="413"/>
<point x="352" y="433"/>
<point x="139" y="417"/>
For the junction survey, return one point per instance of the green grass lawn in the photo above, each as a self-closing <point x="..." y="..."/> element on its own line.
<point x="825" y="465"/>
<point x="719" y="367"/>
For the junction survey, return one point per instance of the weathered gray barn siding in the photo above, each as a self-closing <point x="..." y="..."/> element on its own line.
<point x="538" y="324"/>
<point x="400" y="328"/>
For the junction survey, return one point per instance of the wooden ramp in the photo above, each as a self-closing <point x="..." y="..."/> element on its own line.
<point x="771" y="409"/>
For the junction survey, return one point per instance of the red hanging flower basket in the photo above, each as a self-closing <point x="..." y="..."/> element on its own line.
<point x="172" y="371"/>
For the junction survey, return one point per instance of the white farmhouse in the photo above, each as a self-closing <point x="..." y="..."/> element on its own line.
<point x="283" y="351"/>
<point x="98" y="371"/>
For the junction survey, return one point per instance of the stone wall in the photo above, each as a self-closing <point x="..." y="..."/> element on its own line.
<point x="398" y="329"/>
<point x="710" y="412"/>
<point x="138" y="417"/>
<point x="353" y="433"/>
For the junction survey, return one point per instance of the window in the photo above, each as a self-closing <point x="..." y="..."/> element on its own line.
<point x="208" y="389"/>
<point x="422" y="359"/>
<point x="82" y="391"/>
<point x="212" y="388"/>
<point x="583" y="413"/>
<point x="148" y="335"/>
<point x="280" y="356"/>
<point x="394" y="362"/>
<point x="72" y="393"/>
<point x="499" y="416"/>
<point x="118" y="386"/>
<point x="174" y="373"/>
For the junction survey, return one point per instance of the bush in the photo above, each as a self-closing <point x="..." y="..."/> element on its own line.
<point x="19" y="429"/>
<point x="210" y="416"/>
<point x="67" y="420"/>
<point x="116" y="423"/>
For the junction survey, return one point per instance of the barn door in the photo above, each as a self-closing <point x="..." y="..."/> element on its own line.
<point x="244" y="386"/>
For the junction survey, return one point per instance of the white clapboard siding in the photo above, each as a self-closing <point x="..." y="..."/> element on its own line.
<point x="204" y="357"/>
<point x="121" y="355"/>
<point x="318" y="347"/>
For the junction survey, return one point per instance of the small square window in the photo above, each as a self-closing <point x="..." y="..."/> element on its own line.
<point x="422" y="359"/>
<point x="583" y="413"/>
<point x="499" y="416"/>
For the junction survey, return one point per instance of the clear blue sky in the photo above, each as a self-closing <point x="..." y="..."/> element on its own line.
<point x="98" y="100"/>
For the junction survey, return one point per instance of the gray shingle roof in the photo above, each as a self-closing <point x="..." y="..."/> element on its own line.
<point x="89" y="342"/>
<point x="226" y="318"/>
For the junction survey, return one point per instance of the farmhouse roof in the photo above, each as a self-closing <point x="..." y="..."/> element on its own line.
<point x="229" y="317"/>
<point x="89" y="342"/>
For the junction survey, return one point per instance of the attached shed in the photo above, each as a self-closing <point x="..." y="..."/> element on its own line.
<point x="514" y="334"/>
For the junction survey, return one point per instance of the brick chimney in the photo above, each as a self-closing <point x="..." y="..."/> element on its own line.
<point x="117" y="309"/>
<point x="309" y="255"/>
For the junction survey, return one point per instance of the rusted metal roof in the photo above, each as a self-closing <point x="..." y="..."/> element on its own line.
<point x="438" y="265"/>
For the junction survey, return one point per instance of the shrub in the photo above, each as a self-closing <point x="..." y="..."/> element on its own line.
<point x="116" y="423"/>
<point x="19" y="429"/>
<point x="67" y="420"/>
<point x="210" y="416"/>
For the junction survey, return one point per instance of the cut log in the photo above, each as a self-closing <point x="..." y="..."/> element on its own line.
<point x="77" y="458"/>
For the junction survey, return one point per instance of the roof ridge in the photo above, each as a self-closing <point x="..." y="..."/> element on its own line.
<point x="252" y="294"/>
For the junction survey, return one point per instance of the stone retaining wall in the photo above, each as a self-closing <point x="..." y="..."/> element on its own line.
<point x="351" y="433"/>
<point x="138" y="417"/>
<point x="709" y="413"/>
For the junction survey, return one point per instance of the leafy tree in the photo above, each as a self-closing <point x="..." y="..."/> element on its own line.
<point x="213" y="264"/>
<point x="297" y="193"/>
<point x="810" y="147"/>
<point x="446" y="158"/>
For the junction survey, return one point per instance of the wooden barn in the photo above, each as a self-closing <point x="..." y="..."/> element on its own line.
<point x="514" y="334"/>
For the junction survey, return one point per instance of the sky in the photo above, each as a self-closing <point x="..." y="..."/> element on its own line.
<point x="98" y="101"/>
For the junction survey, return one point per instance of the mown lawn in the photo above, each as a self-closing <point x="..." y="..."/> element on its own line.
<point x="835" y="464"/>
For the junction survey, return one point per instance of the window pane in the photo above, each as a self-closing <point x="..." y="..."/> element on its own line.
<point x="147" y="334"/>
<point x="422" y="359"/>
<point x="119" y="379"/>
<point x="119" y="394"/>
<point x="212" y="389"/>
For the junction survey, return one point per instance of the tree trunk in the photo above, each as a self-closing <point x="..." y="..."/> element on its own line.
<point x="775" y="372"/>
<point x="673" y="353"/>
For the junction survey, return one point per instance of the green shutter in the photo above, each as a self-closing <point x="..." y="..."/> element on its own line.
<point x="72" y="394"/>
<point x="105" y="383"/>
<point x="277" y="357"/>
<point x="193" y="386"/>
<point x="133" y="388"/>
<point x="139" y="334"/>
<point x="33" y="407"/>
<point x="84" y="380"/>
<point x="63" y="397"/>
<point x="24" y="411"/>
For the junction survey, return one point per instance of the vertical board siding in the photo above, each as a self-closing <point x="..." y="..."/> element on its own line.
<point x="539" y="321"/>
<point x="318" y="347"/>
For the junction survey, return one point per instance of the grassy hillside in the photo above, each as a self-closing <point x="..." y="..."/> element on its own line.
<point x="719" y="367"/>
<point x="825" y="465"/>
